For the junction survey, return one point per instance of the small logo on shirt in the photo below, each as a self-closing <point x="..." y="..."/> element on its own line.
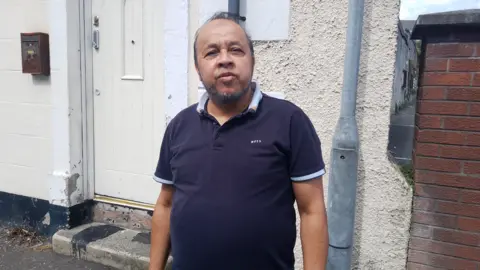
<point x="256" y="141"/>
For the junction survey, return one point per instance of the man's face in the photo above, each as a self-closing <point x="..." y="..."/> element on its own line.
<point x="224" y="60"/>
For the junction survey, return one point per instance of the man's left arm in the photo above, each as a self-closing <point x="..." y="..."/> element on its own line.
<point x="306" y="171"/>
<point x="313" y="223"/>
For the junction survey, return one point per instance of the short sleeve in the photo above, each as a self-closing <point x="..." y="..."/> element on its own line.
<point x="163" y="172"/>
<point x="306" y="160"/>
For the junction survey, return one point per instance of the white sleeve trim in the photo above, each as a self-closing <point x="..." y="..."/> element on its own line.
<point x="162" y="181"/>
<point x="309" y="176"/>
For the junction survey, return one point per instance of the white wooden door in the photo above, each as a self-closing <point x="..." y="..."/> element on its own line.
<point x="128" y="97"/>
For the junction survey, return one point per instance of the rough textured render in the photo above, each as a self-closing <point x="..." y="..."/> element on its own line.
<point x="308" y="68"/>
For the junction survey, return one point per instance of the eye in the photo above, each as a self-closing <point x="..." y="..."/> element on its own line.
<point x="211" y="53"/>
<point x="237" y="50"/>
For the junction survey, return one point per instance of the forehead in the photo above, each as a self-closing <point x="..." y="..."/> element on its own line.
<point x="221" y="30"/>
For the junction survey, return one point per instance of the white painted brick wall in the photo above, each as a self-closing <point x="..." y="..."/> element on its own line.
<point x="25" y="104"/>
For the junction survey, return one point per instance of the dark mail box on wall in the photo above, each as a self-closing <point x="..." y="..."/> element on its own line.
<point x="35" y="53"/>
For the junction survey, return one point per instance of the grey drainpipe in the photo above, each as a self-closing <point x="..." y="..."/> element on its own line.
<point x="234" y="8"/>
<point x="342" y="184"/>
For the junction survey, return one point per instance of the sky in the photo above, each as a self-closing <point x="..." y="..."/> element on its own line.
<point x="410" y="9"/>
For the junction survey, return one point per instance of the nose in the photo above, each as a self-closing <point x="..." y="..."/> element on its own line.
<point x="224" y="59"/>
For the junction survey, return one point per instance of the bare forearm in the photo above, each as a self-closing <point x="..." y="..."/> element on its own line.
<point x="160" y="239"/>
<point x="314" y="237"/>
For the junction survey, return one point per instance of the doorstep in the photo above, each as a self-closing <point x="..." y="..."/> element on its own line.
<point x="106" y="244"/>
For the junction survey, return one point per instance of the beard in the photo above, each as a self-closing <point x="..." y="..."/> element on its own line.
<point x="225" y="98"/>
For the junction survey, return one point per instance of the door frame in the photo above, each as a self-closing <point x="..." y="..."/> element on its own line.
<point x="176" y="44"/>
<point x="86" y="69"/>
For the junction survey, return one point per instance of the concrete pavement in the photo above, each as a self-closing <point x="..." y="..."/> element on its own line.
<point x="20" y="249"/>
<point x="107" y="244"/>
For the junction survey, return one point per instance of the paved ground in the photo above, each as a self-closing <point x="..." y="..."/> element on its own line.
<point x="21" y="249"/>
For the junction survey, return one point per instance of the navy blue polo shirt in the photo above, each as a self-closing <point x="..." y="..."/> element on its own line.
<point x="233" y="206"/>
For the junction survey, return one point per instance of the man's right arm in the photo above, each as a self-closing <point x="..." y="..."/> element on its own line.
<point x="160" y="239"/>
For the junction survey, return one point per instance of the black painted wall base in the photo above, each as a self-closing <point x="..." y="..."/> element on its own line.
<point x="40" y="215"/>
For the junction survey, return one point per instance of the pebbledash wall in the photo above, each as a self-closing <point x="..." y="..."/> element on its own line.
<point x="446" y="215"/>
<point x="40" y="161"/>
<point x="308" y="68"/>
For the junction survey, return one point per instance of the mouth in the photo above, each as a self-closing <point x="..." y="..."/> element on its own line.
<point x="226" y="75"/>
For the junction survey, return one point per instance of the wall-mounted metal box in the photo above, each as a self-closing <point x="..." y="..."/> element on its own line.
<point x="35" y="53"/>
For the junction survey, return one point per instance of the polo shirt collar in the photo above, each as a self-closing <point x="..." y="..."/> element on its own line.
<point x="257" y="97"/>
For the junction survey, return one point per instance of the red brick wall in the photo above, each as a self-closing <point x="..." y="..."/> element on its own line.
<point x="445" y="230"/>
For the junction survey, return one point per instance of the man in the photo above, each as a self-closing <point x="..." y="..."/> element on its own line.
<point x="231" y="168"/>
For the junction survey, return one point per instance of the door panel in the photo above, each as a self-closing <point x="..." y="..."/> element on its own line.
<point x="128" y="97"/>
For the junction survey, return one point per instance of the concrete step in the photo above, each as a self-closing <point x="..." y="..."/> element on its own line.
<point x="106" y="244"/>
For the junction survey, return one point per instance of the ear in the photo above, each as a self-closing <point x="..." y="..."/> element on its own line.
<point x="253" y="65"/>
<point x="198" y="73"/>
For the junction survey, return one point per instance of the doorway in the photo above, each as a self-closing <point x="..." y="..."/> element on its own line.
<point x="128" y="98"/>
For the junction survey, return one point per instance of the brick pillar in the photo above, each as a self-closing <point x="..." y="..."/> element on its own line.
<point x="445" y="231"/>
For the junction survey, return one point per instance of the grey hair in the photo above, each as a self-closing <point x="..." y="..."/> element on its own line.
<point x="222" y="15"/>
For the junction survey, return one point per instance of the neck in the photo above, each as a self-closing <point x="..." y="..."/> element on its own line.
<point x="227" y="111"/>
